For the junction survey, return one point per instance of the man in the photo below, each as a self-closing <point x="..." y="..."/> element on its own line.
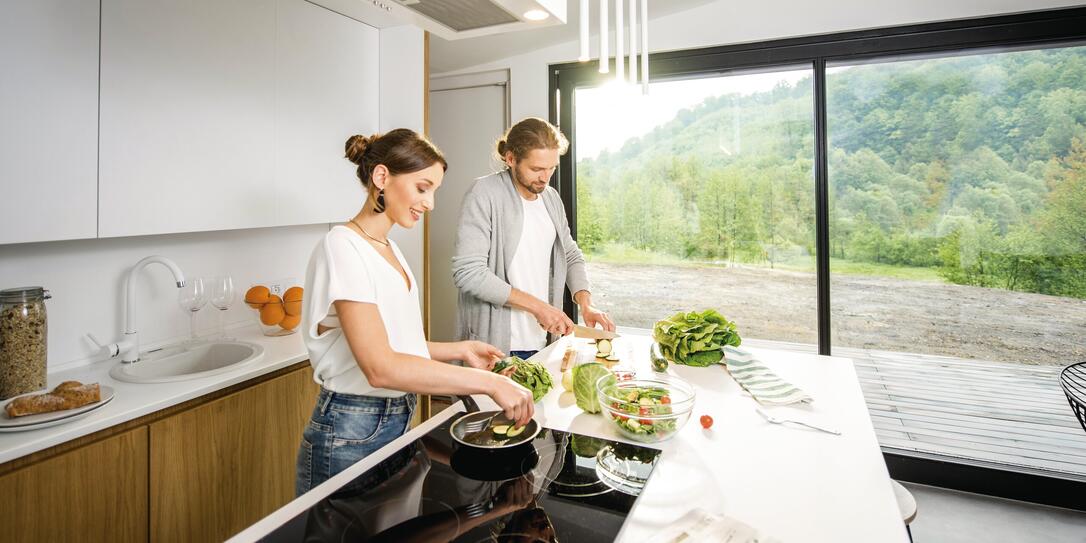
<point x="514" y="254"/>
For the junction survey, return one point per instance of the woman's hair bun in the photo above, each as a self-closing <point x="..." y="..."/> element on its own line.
<point x="356" y="147"/>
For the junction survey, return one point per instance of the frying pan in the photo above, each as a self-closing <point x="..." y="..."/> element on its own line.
<point x="456" y="429"/>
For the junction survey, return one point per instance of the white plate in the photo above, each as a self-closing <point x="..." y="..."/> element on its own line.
<point x="45" y="420"/>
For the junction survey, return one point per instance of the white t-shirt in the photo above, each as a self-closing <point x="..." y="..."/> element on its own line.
<point x="530" y="271"/>
<point x="344" y="266"/>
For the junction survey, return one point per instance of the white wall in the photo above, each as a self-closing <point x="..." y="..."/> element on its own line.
<point x="737" y="21"/>
<point x="86" y="279"/>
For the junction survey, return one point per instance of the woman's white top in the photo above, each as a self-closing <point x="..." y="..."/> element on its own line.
<point x="530" y="271"/>
<point x="344" y="266"/>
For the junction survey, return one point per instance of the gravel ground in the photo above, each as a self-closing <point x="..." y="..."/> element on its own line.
<point x="868" y="312"/>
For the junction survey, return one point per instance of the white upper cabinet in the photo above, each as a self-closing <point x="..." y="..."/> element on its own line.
<point x="136" y="117"/>
<point x="222" y="115"/>
<point x="326" y="90"/>
<point x="48" y="120"/>
<point x="187" y="116"/>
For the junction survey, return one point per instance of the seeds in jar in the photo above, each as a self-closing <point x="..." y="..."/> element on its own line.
<point x="22" y="348"/>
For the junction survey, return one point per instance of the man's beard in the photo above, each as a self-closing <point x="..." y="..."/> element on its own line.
<point x="527" y="186"/>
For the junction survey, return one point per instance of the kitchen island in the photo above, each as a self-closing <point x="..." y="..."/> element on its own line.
<point x="786" y="482"/>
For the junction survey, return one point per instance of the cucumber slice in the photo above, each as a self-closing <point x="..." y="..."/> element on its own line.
<point x="502" y="430"/>
<point x="514" y="431"/>
<point x="603" y="347"/>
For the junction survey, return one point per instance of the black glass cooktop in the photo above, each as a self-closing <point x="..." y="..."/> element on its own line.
<point x="559" y="487"/>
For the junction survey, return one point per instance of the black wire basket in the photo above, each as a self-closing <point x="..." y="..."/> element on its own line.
<point x="1073" y="381"/>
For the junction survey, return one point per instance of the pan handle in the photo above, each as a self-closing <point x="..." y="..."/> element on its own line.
<point x="469" y="403"/>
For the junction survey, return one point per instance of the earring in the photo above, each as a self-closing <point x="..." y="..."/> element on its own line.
<point x="379" y="202"/>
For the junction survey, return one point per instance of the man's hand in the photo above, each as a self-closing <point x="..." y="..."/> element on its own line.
<point x="480" y="355"/>
<point x="592" y="316"/>
<point x="553" y="320"/>
<point x="589" y="314"/>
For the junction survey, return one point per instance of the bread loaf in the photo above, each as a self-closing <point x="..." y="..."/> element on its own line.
<point x="67" y="395"/>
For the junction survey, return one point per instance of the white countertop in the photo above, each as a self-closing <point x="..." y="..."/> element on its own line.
<point x="132" y="401"/>
<point x="789" y="483"/>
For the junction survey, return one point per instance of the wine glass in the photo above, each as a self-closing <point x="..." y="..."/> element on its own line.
<point x="222" y="297"/>
<point x="192" y="297"/>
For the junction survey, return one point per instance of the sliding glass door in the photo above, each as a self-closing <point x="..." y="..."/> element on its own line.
<point x="957" y="189"/>
<point x="701" y="195"/>
<point x="913" y="198"/>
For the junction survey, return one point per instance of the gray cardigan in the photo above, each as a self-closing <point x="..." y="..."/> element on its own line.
<point x="491" y="220"/>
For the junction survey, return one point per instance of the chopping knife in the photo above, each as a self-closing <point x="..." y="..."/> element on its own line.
<point x="592" y="333"/>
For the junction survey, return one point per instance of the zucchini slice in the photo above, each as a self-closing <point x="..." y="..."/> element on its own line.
<point x="502" y="430"/>
<point x="514" y="431"/>
<point x="603" y="348"/>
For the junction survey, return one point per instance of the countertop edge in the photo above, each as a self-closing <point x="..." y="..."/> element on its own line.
<point x="132" y="401"/>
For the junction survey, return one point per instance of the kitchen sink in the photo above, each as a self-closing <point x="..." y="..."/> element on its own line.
<point x="188" y="361"/>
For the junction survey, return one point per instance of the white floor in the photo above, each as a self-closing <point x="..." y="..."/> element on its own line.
<point x="949" y="516"/>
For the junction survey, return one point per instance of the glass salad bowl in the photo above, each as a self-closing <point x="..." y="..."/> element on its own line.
<point x="648" y="410"/>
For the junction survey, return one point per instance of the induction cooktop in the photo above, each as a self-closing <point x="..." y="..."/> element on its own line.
<point x="560" y="486"/>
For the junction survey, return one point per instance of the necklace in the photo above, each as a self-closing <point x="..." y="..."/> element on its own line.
<point x="386" y="243"/>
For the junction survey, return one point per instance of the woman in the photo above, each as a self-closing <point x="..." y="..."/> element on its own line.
<point x="362" y="324"/>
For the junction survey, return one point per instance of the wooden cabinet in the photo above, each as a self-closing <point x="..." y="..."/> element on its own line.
<point x="94" y="493"/>
<point x="49" y="108"/>
<point x="201" y="471"/>
<point x="221" y="466"/>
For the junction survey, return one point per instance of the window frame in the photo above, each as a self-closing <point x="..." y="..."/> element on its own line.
<point x="1029" y="30"/>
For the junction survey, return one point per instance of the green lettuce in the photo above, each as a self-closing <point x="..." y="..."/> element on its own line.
<point x="528" y="373"/>
<point x="695" y="338"/>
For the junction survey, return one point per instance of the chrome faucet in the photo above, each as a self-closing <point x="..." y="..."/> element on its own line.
<point x="129" y="346"/>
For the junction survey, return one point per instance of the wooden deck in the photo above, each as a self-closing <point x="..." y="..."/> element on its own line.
<point x="990" y="413"/>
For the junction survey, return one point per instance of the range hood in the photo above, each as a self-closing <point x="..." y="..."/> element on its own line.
<point x="458" y="19"/>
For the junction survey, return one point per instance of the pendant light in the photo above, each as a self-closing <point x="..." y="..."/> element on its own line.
<point x="638" y="29"/>
<point x="633" y="41"/>
<point x="605" y="55"/>
<point x="644" y="46"/>
<point x="620" y="54"/>
<point x="584" y="31"/>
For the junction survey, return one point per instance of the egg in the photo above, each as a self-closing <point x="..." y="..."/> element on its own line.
<point x="257" y="296"/>
<point x="292" y="301"/>
<point x="290" y="322"/>
<point x="272" y="312"/>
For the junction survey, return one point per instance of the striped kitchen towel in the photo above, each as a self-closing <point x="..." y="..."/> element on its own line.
<point x="760" y="381"/>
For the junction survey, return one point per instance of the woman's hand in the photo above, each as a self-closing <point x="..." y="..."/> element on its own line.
<point x="480" y="355"/>
<point x="514" y="400"/>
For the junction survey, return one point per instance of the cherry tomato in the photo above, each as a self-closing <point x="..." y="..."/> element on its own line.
<point x="665" y="399"/>
<point x="645" y="422"/>
<point x="706" y="421"/>
<point x="644" y="411"/>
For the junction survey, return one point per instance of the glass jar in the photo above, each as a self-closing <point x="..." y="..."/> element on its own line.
<point x="23" y="329"/>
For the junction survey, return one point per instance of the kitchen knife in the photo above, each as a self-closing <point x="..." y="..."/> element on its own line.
<point x="592" y="333"/>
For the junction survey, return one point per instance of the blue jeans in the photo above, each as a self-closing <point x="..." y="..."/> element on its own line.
<point x="346" y="428"/>
<point x="523" y="354"/>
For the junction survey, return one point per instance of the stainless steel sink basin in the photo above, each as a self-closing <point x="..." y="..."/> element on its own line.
<point x="188" y="361"/>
